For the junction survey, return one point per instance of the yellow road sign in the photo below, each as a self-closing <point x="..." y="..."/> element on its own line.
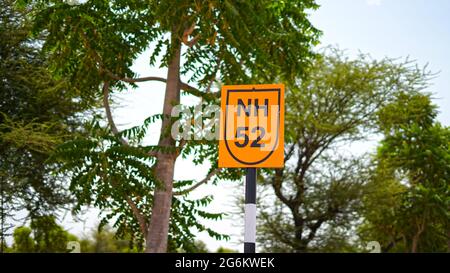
<point x="252" y="126"/>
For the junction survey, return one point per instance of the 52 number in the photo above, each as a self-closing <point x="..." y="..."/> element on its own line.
<point x="241" y="132"/>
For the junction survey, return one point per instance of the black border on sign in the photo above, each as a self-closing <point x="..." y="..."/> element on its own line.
<point x="278" y="123"/>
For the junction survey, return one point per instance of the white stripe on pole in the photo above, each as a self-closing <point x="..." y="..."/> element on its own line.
<point x="250" y="223"/>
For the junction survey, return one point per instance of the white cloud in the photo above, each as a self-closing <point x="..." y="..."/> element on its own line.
<point x="373" y="2"/>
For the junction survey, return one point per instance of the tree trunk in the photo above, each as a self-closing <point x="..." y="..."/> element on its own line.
<point x="156" y="241"/>
<point x="415" y="241"/>
<point x="416" y="237"/>
<point x="299" y="245"/>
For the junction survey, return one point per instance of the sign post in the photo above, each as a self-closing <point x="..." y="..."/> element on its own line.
<point x="251" y="137"/>
<point x="250" y="211"/>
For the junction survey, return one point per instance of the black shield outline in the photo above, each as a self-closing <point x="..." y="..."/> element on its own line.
<point x="278" y="90"/>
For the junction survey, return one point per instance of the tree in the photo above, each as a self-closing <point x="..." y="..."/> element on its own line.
<point x="319" y="191"/>
<point x="43" y="235"/>
<point x="37" y="112"/>
<point x="221" y="41"/>
<point x="104" y="240"/>
<point x="22" y="240"/>
<point x="225" y="250"/>
<point x="49" y="236"/>
<point x="105" y="172"/>
<point x="200" y="247"/>
<point x="407" y="208"/>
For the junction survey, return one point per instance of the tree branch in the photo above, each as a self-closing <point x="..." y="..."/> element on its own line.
<point x="289" y="153"/>
<point x="111" y="122"/>
<point x="274" y="227"/>
<point x="109" y="116"/>
<point x="186" y="34"/>
<point x="137" y="213"/>
<point x="391" y="244"/>
<point x="131" y="80"/>
<point x="184" y="86"/>
<point x="135" y="210"/>
<point x="180" y="147"/>
<point x="205" y="180"/>
<point x="314" y="227"/>
<point x="277" y="181"/>
<point x="213" y="77"/>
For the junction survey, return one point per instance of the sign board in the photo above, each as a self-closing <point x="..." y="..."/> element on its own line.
<point x="252" y="126"/>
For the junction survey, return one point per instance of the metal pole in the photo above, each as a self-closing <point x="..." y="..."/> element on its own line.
<point x="250" y="211"/>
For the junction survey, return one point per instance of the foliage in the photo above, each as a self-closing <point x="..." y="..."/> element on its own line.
<point x="22" y="240"/>
<point x="197" y="247"/>
<point x="241" y="39"/>
<point x="106" y="241"/>
<point x="319" y="192"/>
<point x="108" y="175"/>
<point x="37" y="113"/>
<point x="43" y="235"/>
<point x="96" y="43"/>
<point x="225" y="250"/>
<point x="407" y="209"/>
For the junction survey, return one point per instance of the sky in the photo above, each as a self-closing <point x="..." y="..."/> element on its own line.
<point x="382" y="28"/>
<point x="419" y="29"/>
